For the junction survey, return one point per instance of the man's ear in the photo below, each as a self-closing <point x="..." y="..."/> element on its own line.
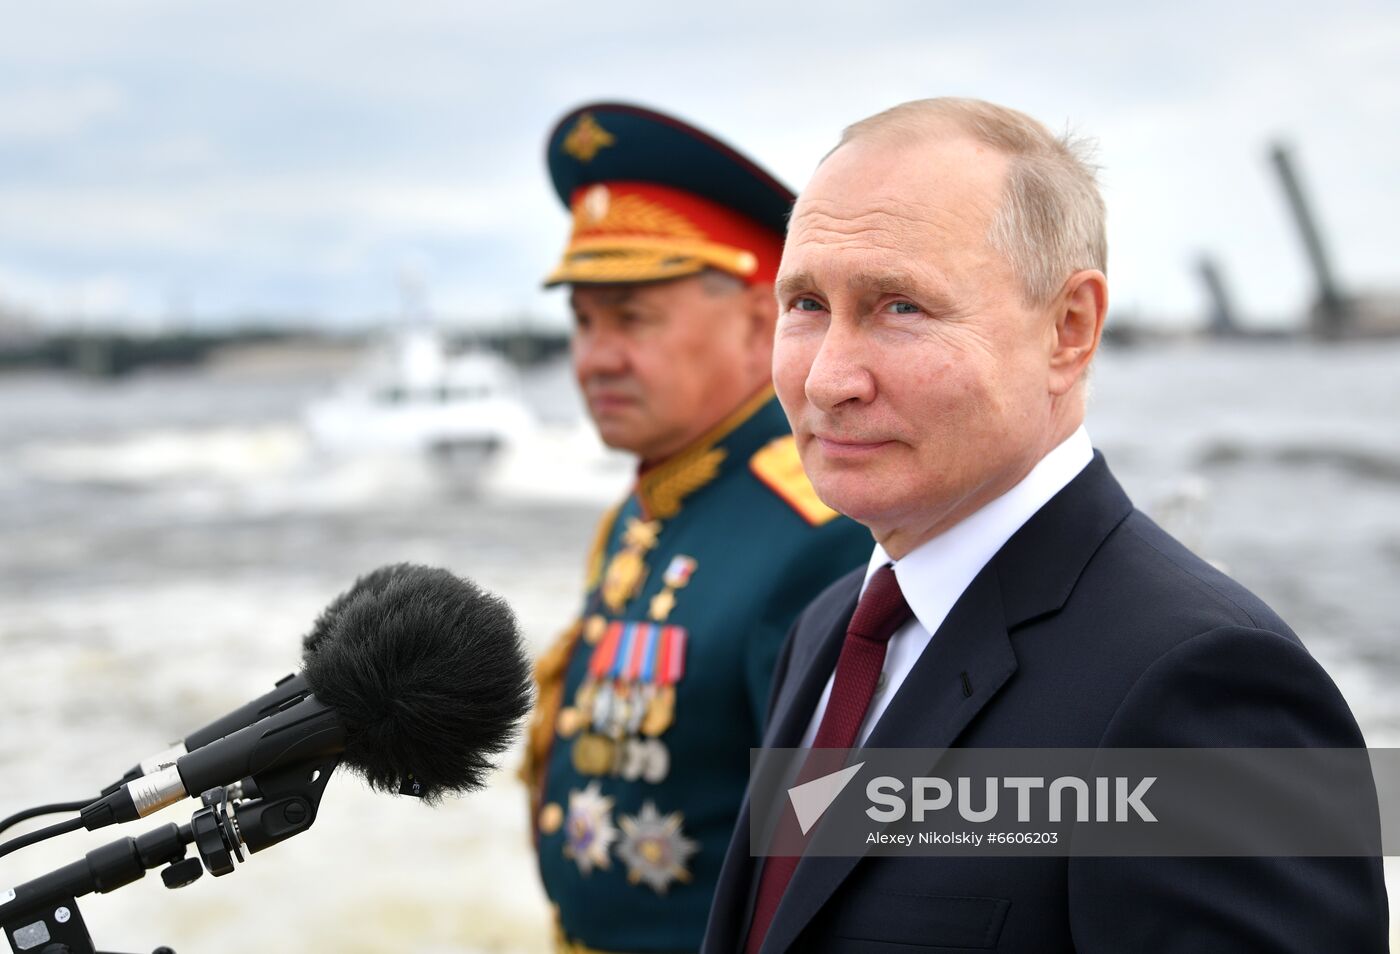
<point x="1079" y="312"/>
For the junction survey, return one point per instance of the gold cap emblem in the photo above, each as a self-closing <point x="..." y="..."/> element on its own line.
<point x="586" y="138"/>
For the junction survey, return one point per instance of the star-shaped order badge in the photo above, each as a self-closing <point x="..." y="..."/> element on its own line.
<point x="654" y="849"/>
<point x="589" y="831"/>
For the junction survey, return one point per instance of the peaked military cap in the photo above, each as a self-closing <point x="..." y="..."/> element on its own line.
<point x="655" y="198"/>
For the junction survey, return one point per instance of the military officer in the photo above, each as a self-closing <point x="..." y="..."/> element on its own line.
<point x="650" y="702"/>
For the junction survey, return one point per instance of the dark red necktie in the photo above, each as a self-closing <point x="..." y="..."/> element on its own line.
<point x="881" y="611"/>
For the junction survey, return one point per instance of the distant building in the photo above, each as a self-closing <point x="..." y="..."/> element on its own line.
<point x="15" y="327"/>
<point x="1375" y="315"/>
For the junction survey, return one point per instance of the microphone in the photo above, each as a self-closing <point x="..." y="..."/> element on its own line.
<point x="373" y="582"/>
<point x="288" y="690"/>
<point x="415" y="675"/>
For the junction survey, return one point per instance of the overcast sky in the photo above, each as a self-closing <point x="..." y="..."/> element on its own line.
<point x="165" y="158"/>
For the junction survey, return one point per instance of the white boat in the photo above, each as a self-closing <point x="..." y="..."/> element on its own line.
<point x="414" y="397"/>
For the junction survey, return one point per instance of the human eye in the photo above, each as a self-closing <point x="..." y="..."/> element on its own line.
<point x="903" y="308"/>
<point x="806" y="304"/>
<point x="634" y="318"/>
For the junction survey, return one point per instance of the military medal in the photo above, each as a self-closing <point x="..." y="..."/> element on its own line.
<point x="583" y="699"/>
<point x="669" y="668"/>
<point x="662" y="604"/>
<point x="636" y="675"/>
<point x="594" y="699"/>
<point x="623" y="578"/>
<point x="604" y="704"/>
<point x="661" y="713"/>
<point x="650" y="669"/>
<point x="593" y="754"/>
<point x="677" y="575"/>
<point x="588" y="830"/>
<point x="627" y="569"/>
<point x="645" y="759"/>
<point x="621" y="712"/>
<point x="631" y="760"/>
<point x="653" y="848"/>
<point x="615" y="723"/>
<point x="647" y="680"/>
<point x="658" y="762"/>
<point x="642" y="534"/>
<point x="626" y="700"/>
<point x="679" y="571"/>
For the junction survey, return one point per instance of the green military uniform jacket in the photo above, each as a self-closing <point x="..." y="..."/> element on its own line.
<point x="649" y="704"/>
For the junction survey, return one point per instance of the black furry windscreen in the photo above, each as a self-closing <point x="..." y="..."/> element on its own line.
<point x="372" y="582"/>
<point x="428" y="675"/>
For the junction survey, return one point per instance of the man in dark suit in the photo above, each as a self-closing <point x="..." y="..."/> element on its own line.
<point x="941" y="296"/>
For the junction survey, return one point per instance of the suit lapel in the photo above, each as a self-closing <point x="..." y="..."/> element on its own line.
<point x="930" y="710"/>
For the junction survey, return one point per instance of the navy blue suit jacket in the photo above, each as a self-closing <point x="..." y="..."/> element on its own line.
<point x="1092" y="627"/>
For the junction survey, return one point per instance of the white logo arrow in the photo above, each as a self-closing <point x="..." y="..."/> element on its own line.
<point x="811" y="799"/>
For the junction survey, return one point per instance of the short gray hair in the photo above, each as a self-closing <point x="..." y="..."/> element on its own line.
<point x="1051" y="220"/>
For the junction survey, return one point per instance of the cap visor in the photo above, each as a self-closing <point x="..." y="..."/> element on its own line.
<point x="623" y="266"/>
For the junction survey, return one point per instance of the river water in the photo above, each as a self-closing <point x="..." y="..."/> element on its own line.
<point x="166" y="540"/>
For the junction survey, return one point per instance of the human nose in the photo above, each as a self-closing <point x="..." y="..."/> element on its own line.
<point x="839" y="373"/>
<point x="598" y="353"/>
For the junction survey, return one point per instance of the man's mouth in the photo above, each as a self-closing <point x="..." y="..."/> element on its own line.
<point x="849" y="446"/>
<point x="605" y="401"/>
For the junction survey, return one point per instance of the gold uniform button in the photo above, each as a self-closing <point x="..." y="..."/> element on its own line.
<point x="593" y="629"/>
<point x="551" y="817"/>
<point x="569" y="721"/>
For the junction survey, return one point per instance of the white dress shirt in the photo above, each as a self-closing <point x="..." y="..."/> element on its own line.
<point x="934" y="575"/>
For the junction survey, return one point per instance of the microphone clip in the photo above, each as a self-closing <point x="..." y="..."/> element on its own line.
<point x="216" y="833"/>
<point x="259" y="812"/>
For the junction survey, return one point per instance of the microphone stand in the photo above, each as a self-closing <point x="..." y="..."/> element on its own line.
<point x="42" y="916"/>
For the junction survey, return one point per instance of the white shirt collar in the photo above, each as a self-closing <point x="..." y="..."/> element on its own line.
<point x="934" y="574"/>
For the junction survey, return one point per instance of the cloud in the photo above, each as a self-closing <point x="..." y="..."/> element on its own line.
<point x="268" y="157"/>
<point x="58" y="112"/>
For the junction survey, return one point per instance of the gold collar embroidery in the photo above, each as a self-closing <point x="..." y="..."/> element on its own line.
<point x="663" y="487"/>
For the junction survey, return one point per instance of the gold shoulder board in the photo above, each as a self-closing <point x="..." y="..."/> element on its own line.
<point x="780" y="469"/>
